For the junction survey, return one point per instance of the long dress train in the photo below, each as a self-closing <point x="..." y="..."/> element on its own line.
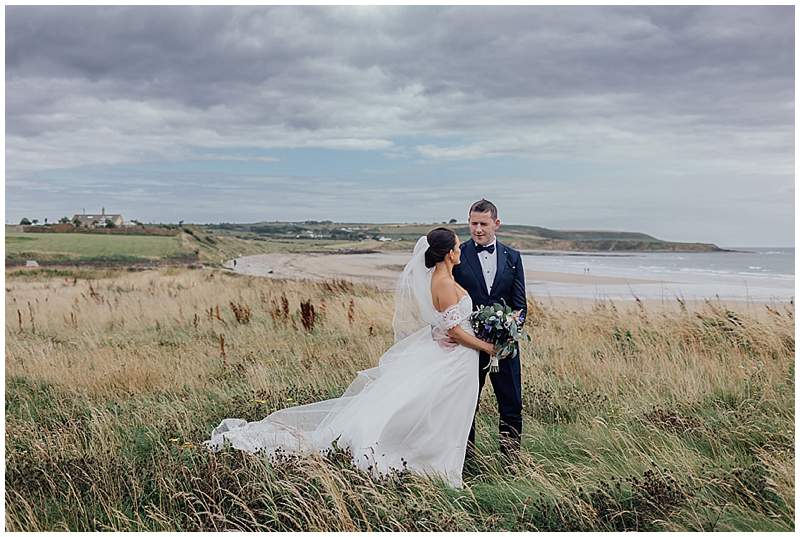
<point x="413" y="410"/>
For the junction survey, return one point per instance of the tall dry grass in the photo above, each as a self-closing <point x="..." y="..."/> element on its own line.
<point x="636" y="417"/>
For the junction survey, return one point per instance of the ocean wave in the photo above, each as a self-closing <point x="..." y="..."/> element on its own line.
<point x="705" y="271"/>
<point x="766" y="276"/>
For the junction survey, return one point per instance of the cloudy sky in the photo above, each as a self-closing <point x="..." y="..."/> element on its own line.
<point x="674" y="121"/>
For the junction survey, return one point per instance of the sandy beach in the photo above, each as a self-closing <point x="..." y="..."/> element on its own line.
<point x="379" y="269"/>
<point x="383" y="269"/>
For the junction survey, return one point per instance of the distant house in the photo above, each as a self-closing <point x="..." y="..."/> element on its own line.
<point x="95" y="220"/>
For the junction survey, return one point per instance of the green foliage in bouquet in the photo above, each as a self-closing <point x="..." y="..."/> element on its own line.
<point x="499" y="325"/>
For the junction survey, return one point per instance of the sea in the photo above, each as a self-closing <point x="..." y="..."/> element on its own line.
<point x="747" y="273"/>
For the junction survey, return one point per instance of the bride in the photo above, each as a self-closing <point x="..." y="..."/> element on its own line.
<point x="415" y="408"/>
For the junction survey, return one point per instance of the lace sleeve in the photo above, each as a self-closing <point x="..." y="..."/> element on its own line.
<point x="450" y="317"/>
<point x="447" y="319"/>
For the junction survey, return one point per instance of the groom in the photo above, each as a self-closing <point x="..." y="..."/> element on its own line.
<point x="490" y="271"/>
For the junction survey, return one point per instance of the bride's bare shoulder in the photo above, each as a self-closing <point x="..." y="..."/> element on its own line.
<point x="445" y="293"/>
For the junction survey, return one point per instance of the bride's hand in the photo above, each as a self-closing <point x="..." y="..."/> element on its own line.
<point x="448" y="343"/>
<point x="491" y="349"/>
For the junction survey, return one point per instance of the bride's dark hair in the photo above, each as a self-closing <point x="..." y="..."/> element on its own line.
<point x="440" y="241"/>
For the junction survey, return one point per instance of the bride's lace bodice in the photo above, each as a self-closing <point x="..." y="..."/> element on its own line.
<point x="457" y="314"/>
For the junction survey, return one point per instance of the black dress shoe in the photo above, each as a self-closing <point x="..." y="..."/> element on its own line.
<point x="509" y="448"/>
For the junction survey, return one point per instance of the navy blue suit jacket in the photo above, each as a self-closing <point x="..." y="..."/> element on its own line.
<point x="509" y="279"/>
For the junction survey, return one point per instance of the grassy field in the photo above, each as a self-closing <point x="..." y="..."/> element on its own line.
<point x="85" y="247"/>
<point x="193" y="244"/>
<point x="634" y="419"/>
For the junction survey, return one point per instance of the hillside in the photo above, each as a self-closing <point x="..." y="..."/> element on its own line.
<point x="396" y="236"/>
<point x="212" y="244"/>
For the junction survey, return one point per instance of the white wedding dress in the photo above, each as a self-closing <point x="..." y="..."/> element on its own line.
<point x="412" y="411"/>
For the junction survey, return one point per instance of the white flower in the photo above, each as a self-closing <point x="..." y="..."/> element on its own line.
<point x="499" y="313"/>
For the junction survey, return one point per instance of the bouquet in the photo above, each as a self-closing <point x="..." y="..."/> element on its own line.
<point x="499" y="325"/>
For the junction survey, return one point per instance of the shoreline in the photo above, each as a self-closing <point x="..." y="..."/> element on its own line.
<point x="625" y="253"/>
<point x="382" y="270"/>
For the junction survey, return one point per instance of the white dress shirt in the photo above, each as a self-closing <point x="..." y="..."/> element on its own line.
<point x="488" y="265"/>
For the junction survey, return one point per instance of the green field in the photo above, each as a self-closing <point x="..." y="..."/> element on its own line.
<point x="207" y="247"/>
<point x="84" y="246"/>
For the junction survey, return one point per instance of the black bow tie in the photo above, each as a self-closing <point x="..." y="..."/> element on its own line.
<point x="480" y="248"/>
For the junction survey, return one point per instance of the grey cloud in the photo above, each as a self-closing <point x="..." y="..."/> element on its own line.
<point x="693" y="91"/>
<point x="297" y="63"/>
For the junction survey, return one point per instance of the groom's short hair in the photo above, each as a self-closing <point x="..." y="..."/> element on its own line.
<point x="484" y="206"/>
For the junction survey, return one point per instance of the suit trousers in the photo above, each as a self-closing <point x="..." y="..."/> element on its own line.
<point x="507" y="385"/>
